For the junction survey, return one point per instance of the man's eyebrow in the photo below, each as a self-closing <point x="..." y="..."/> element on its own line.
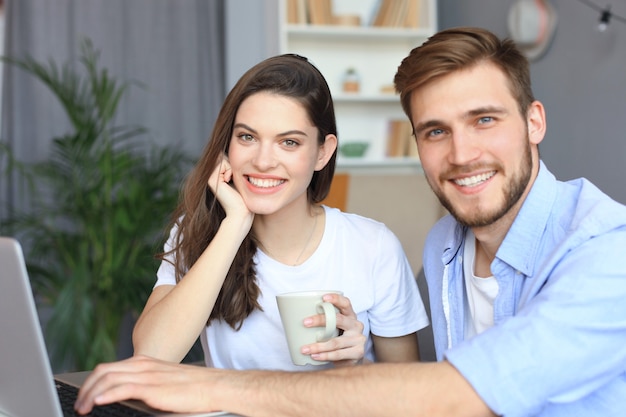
<point x="420" y="127"/>
<point x="485" y="110"/>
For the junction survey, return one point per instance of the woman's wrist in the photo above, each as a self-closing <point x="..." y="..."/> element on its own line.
<point x="238" y="224"/>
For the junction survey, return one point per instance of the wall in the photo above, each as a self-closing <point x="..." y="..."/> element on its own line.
<point x="251" y="36"/>
<point x="581" y="81"/>
<point x="404" y="202"/>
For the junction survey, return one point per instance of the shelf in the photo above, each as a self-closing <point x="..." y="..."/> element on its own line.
<point x="366" y="98"/>
<point x="374" y="53"/>
<point x="397" y="165"/>
<point x="358" y="33"/>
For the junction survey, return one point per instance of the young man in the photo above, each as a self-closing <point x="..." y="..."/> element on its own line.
<point x="526" y="279"/>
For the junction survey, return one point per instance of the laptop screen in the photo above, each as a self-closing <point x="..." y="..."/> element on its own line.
<point x="26" y="386"/>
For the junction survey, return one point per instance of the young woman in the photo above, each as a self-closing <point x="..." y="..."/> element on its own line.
<point x="250" y="226"/>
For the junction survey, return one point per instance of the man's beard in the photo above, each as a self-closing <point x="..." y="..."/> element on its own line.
<point x="513" y="191"/>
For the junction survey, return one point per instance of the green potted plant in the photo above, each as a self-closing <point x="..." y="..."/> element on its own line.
<point x="97" y="208"/>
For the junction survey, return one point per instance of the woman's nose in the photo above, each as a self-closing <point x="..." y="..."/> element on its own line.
<point x="265" y="157"/>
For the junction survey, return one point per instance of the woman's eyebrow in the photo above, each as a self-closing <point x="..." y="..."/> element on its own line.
<point x="287" y="133"/>
<point x="244" y="126"/>
<point x="293" y="132"/>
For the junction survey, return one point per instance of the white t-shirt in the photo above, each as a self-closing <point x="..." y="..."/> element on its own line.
<point x="356" y="255"/>
<point x="481" y="292"/>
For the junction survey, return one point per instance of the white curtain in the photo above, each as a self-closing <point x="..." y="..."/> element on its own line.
<point x="173" y="47"/>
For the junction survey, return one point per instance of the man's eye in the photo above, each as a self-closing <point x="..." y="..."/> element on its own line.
<point x="435" y="132"/>
<point x="485" y="119"/>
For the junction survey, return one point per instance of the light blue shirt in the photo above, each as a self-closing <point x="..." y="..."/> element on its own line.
<point x="558" y="346"/>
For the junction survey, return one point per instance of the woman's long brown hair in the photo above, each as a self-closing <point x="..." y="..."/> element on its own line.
<point x="199" y="214"/>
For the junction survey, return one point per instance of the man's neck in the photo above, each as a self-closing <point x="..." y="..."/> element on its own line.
<point x="488" y="240"/>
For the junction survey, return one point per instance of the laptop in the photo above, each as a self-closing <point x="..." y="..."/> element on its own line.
<point x="27" y="386"/>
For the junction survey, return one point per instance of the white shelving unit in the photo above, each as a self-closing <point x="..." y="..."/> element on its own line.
<point x="375" y="53"/>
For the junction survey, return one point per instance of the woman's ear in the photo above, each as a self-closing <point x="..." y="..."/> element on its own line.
<point x="536" y="121"/>
<point x="325" y="151"/>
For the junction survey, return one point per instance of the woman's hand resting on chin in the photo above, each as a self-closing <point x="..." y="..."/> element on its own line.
<point x="220" y="184"/>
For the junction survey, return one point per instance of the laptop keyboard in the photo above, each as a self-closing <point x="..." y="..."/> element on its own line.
<point x="68" y="393"/>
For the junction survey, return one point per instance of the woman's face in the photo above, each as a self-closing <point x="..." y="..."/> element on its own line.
<point x="274" y="151"/>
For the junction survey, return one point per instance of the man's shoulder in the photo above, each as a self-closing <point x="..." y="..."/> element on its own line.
<point x="444" y="227"/>
<point x="589" y="206"/>
<point x="446" y="233"/>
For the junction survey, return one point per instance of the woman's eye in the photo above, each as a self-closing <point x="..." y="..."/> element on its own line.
<point x="290" y="143"/>
<point x="246" y="137"/>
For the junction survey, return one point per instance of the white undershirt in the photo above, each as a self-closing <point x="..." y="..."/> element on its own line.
<point x="481" y="292"/>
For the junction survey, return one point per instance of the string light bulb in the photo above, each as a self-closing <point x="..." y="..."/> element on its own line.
<point x="605" y="19"/>
<point x="606" y="15"/>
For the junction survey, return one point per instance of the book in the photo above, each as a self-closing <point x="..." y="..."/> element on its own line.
<point x="320" y="12"/>
<point x="292" y="11"/>
<point x="411" y="149"/>
<point x="382" y="15"/>
<point x="303" y="14"/>
<point x="397" y="13"/>
<point x="412" y="18"/>
<point x="297" y="12"/>
<point x="399" y="138"/>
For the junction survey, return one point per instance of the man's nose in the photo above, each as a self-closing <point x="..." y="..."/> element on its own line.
<point x="463" y="148"/>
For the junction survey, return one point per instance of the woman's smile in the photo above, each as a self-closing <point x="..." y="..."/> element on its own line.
<point x="265" y="182"/>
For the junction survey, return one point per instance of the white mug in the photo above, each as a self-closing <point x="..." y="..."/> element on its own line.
<point x="294" y="307"/>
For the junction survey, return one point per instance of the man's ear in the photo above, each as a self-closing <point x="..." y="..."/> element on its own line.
<point x="325" y="151"/>
<point x="536" y="122"/>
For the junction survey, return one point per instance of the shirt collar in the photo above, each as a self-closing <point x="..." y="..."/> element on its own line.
<point x="521" y="243"/>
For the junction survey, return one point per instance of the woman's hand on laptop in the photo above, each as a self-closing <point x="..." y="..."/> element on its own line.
<point x="161" y="385"/>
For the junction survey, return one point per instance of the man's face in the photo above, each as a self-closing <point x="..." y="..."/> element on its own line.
<point x="476" y="148"/>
